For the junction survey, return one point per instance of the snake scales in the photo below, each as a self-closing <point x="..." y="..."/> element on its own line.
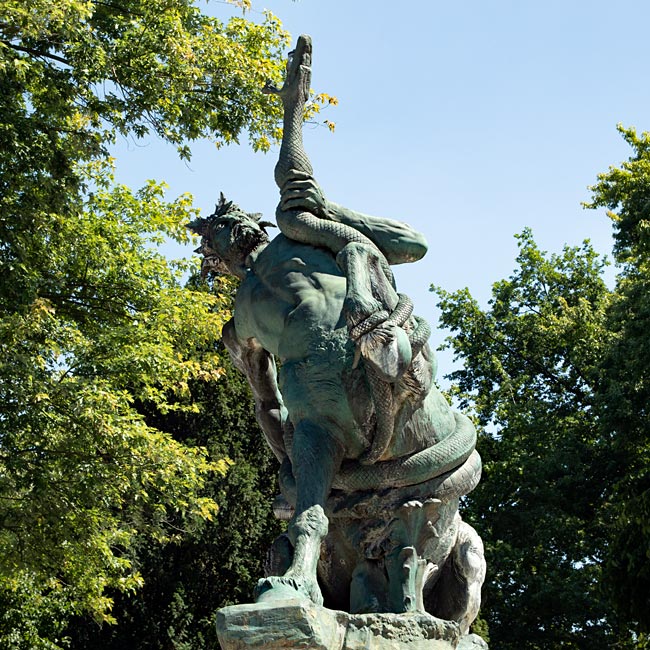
<point x="303" y="226"/>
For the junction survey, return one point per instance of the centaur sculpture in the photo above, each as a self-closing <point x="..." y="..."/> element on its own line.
<point x="373" y="459"/>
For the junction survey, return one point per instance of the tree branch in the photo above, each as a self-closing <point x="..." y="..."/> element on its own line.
<point x="32" y="52"/>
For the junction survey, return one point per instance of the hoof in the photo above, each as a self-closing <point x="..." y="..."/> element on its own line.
<point x="288" y="588"/>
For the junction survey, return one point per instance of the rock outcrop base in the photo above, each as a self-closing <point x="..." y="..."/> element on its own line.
<point x="299" y="624"/>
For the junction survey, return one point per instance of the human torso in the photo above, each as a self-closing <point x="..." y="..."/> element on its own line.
<point x="292" y="303"/>
<point x="292" y="299"/>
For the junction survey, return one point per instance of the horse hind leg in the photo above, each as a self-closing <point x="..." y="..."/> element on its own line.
<point x="457" y="594"/>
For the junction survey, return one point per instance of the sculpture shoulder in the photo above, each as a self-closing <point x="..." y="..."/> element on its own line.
<point x="284" y="255"/>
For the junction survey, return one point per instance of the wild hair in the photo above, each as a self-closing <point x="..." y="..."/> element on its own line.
<point x="201" y="226"/>
<point x="218" y="262"/>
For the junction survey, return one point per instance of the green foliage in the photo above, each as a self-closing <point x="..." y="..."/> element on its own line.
<point x="557" y="370"/>
<point x="104" y="321"/>
<point x="142" y="65"/>
<point x="624" y="396"/>
<point x="93" y="320"/>
<point x="625" y="191"/>
<point x="217" y="565"/>
<point x="531" y="372"/>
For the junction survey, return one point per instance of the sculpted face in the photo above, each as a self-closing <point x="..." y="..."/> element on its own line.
<point x="229" y="236"/>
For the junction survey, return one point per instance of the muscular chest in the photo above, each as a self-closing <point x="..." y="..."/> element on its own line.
<point x="259" y="314"/>
<point x="290" y="307"/>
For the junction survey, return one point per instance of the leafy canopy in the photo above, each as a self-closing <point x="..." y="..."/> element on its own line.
<point x="556" y="370"/>
<point x="529" y="374"/>
<point x="624" y="395"/>
<point x="81" y="473"/>
<point x="215" y="565"/>
<point x="93" y="319"/>
<point x="145" y="65"/>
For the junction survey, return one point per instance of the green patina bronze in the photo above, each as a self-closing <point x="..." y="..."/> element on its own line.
<point x="373" y="458"/>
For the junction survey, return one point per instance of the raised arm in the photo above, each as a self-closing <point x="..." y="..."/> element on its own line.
<point x="396" y="240"/>
<point x="259" y="367"/>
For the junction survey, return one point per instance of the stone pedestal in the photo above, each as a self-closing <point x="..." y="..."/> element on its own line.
<point x="472" y="642"/>
<point x="299" y="624"/>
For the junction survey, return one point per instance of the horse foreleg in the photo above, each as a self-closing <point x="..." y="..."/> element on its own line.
<point x="316" y="456"/>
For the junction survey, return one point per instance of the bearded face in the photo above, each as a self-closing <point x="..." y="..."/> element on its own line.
<point x="229" y="236"/>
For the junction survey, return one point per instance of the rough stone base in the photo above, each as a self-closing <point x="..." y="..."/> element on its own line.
<point x="299" y="624"/>
<point x="472" y="642"/>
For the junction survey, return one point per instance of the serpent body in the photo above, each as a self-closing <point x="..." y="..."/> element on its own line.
<point x="422" y="466"/>
<point x="298" y="225"/>
<point x="308" y="228"/>
<point x="449" y="485"/>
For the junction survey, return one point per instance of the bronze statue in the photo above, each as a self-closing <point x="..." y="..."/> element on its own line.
<point x="373" y="458"/>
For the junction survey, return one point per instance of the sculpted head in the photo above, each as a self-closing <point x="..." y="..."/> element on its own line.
<point x="228" y="237"/>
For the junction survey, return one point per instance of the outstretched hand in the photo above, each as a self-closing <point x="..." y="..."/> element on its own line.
<point x="302" y="192"/>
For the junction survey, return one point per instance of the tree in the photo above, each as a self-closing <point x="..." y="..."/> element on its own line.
<point x="624" y="397"/>
<point x="81" y="472"/>
<point x="531" y="376"/>
<point x="93" y="320"/>
<point x="139" y="66"/>
<point x="217" y="565"/>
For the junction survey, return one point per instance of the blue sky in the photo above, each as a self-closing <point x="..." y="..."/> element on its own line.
<point x="470" y="120"/>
